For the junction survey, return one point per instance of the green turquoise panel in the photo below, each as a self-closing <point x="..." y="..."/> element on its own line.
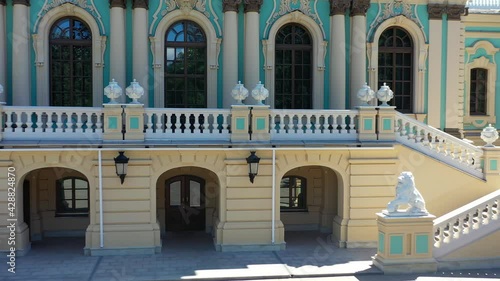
<point x="240" y="123"/>
<point x="387" y="124"/>
<point x="113" y="122"/>
<point x="368" y="124"/>
<point x="396" y="245"/>
<point x="381" y="242"/>
<point x="134" y="123"/>
<point x="261" y="123"/>
<point x="422" y="241"/>
<point x="493" y="165"/>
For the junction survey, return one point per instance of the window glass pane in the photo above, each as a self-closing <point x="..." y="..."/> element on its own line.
<point x="175" y="193"/>
<point x="81" y="204"/>
<point x="194" y="194"/>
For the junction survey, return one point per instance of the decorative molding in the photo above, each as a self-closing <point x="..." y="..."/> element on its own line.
<point x="253" y="5"/>
<point x="483" y="44"/>
<point x="118" y="3"/>
<point x="339" y="7"/>
<point x="140" y="4"/>
<point x="481" y="62"/>
<point x="456" y="11"/>
<point x="21" y="2"/>
<point x="395" y="9"/>
<point x="436" y="11"/>
<point x="230" y="5"/>
<point x="289" y="6"/>
<point x="87" y="5"/>
<point x="188" y="5"/>
<point x="359" y="7"/>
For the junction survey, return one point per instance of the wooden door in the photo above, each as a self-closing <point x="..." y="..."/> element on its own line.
<point x="185" y="203"/>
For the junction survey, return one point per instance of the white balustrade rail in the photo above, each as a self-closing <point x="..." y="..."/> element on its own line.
<point x="466" y="224"/>
<point x="187" y="124"/>
<point x="286" y="124"/>
<point x="52" y="123"/>
<point x="439" y="145"/>
<point x="484" y="4"/>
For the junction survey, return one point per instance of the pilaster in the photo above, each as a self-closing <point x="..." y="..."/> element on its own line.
<point x="3" y="51"/>
<point x="230" y="45"/>
<point x="435" y="68"/>
<point x="21" y="66"/>
<point x="358" y="48"/>
<point x="338" y="9"/>
<point x="454" y="114"/>
<point x="117" y="43"/>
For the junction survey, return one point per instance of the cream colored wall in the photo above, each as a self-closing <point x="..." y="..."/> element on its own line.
<point x="487" y="247"/>
<point x="211" y="193"/>
<point x="443" y="187"/>
<point x="322" y="200"/>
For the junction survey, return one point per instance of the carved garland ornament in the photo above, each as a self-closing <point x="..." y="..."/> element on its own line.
<point x="187" y="5"/>
<point x="286" y="7"/>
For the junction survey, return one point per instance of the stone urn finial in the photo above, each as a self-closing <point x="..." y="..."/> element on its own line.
<point x="239" y="93"/>
<point x="385" y="94"/>
<point x="259" y="93"/>
<point x="365" y="94"/>
<point x="135" y="91"/>
<point x="489" y="135"/>
<point x="112" y="91"/>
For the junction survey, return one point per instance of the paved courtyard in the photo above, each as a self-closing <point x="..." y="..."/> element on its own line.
<point x="191" y="255"/>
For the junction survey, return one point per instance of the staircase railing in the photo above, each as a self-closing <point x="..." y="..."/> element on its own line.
<point x="467" y="223"/>
<point x="438" y="144"/>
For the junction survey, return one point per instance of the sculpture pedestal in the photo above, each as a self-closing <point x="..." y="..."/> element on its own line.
<point x="405" y="244"/>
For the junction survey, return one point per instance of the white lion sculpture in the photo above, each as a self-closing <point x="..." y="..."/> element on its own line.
<point x="407" y="193"/>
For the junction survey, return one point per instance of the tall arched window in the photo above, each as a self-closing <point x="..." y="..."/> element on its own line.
<point x="395" y="66"/>
<point x="293" y="74"/>
<point x="478" y="91"/>
<point x="70" y="63"/>
<point x="185" y="66"/>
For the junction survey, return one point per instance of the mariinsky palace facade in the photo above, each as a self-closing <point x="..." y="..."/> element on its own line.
<point x="192" y="95"/>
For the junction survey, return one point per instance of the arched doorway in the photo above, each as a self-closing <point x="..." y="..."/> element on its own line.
<point x="185" y="203"/>
<point x="310" y="201"/>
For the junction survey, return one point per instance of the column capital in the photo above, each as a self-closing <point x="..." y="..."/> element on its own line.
<point x="339" y="7"/>
<point x="3" y="2"/>
<point x="359" y="7"/>
<point x="230" y="5"/>
<point x="455" y="11"/>
<point x="252" y="5"/>
<point x="117" y="3"/>
<point x="21" y="2"/>
<point x="140" y="4"/>
<point x="436" y="11"/>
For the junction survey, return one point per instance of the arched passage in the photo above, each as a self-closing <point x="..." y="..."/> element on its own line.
<point x="310" y="200"/>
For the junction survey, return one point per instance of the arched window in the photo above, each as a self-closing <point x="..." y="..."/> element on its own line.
<point x="293" y="194"/>
<point x="395" y="66"/>
<point x="72" y="197"/>
<point x="70" y="63"/>
<point x="185" y="66"/>
<point x="293" y="75"/>
<point x="478" y="91"/>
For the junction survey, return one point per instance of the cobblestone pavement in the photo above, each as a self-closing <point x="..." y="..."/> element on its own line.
<point x="191" y="255"/>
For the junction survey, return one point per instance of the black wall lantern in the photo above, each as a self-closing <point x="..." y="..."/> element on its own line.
<point x="253" y="165"/>
<point x="121" y="163"/>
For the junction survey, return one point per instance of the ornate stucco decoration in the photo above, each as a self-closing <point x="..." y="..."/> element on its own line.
<point x="339" y="7"/>
<point x="186" y="6"/>
<point x="87" y="5"/>
<point x="436" y="11"/>
<point x="487" y="47"/>
<point x="393" y="10"/>
<point x="455" y="11"/>
<point x="252" y="5"/>
<point x="359" y="7"/>
<point x="289" y="6"/>
<point x="230" y="5"/>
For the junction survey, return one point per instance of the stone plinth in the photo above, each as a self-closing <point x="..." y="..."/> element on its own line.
<point x="405" y="244"/>
<point x="367" y="123"/>
<point x="135" y="122"/>
<point x="386" y="119"/>
<point x="240" y="115"/>
<point x="113" y="122"/>
<point x="260" y="123"/>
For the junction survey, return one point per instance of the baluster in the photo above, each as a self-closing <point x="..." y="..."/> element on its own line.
<point x="485" y="214"/>
<point x="39" y="122"/>
<point x="224" y="124"/>
<point x="476" y="219"/>
<point x="168" y="123"/>
<point x="57" y="121"/>
<point x="494" y="210"/>
<point x="438" y="237"/>
<point x="149" y="124"/>
<point x="457" y="227"/>
<point x="99" y="117"/>
<point x="8" y="122"/>
<point x="308" y="125"/>
<point x="196" y="124"/>
<point x="470" y="157"/>
<point x="78" y="122"/>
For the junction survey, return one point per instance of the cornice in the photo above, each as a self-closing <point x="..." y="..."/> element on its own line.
<point x="140" y="4"/>
<point x="117" y="3"/>
<point x="252" y="5"/>
<point x="230" y="5"/>
<point x="339" y="7"/>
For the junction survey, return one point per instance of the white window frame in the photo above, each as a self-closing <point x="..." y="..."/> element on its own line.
<point x="318" y="56"/>
<point x="42" y="54"/>
<point x="158" y="51"/>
